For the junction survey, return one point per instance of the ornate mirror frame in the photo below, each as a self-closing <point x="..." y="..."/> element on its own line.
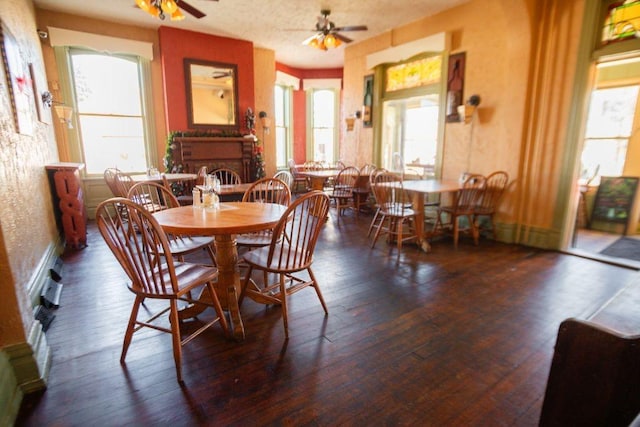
<point x="212" y="94"/>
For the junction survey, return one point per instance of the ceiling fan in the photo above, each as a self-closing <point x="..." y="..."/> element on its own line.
<point x="328" y="35"/>
<point x="162" y="8"/>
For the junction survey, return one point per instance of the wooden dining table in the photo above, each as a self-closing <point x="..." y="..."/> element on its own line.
<point x="160" y="178"/>
<point x="317" y="178"/>
<point x="224" y="223"/>
<point x="419" y="189"/>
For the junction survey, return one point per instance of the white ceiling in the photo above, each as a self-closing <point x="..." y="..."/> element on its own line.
<point x="280" y="25"/>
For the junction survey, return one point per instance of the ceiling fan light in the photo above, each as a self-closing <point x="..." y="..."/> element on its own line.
<point x="177" y="15"/>
<point x="331" y="42"/>
<point x="169" y="6"/>
<point x="144" y="5"/>
<point x="315" y="42"/>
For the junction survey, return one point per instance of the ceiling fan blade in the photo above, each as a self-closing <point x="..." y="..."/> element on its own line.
<point x="190" y="9"/>
<point x="342" y="38"/>
<point x="352" y="28"/>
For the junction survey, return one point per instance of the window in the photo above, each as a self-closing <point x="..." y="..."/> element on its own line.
<point x="284" y="149"/>
<point x="108" y="102"/>
<point x="621" y="22"/>
<point x="323" y="125"/>
<point x="411" y="114"/>
<point x="609" y="126"/>
<point x="410" y="132"/>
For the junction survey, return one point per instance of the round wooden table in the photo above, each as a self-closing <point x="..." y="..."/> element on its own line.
<point x="223" y="223"/>
<point x="170" y="177"/>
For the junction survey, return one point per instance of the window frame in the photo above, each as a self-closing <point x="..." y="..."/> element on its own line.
<point x="310" y="152"/>
<point x="63" y="56"/>
<point x="382" y="95"/>
<point x="287" y="101"/>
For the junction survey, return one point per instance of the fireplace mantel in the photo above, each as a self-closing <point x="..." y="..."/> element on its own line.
<point x="214" y="152"/>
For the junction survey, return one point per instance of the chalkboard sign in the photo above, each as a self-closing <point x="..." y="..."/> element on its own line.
<point x="614" y="199"/>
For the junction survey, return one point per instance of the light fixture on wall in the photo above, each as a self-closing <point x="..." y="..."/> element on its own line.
<point x="351" y="120"/>
<point x="265" y="122"/>
<point x="161" y="8"/>
<point x="467" y="110"/>
<point x="63" y="111"/>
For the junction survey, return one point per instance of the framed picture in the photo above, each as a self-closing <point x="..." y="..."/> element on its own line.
<point x="455" y="85"/>
<point x="38" y="88"/>
<point x="367" y="103"/>
<point x="19" y="83"/>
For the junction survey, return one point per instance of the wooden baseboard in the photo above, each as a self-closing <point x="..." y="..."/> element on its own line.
<point x="41" y="275"/>
<point x="30" y="361"/>
<point x="10" y="393"/>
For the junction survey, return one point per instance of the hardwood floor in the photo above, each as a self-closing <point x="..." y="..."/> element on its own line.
<point x="453" y="337"/>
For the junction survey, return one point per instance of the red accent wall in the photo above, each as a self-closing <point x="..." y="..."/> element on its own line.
<point x="300" y="105"/>
<point x="299" y="126"/>
<point x="176" y="44"/>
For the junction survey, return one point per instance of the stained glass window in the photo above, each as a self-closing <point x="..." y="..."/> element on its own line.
<point x="414" y="74"/>
<point x="622" y="21"/>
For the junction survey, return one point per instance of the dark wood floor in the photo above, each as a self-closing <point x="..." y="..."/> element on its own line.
<point x="453" y="337"/>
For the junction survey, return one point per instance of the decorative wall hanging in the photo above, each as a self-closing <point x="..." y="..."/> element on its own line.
<point x="455" y="85"/>
<point x="19" y="83"/>
<point x="367" y="103"/>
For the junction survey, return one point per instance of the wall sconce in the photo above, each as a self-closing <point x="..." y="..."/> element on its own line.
<point x="351" y="120"/>
<point x="265" y="121"/>
<point x="63" y="111"/>
<point x="467" y="110"/>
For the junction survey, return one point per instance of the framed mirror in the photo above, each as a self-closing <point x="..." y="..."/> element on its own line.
<point x="212" y="94"/>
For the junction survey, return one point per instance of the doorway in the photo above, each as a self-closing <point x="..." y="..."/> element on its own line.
<point x="611" y="148"/>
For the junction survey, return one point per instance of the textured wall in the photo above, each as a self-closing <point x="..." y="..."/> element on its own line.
<point x="176" y="44"/>
<point x="26" y="213"/>
<point x="264" y="71"/>
<point x="497" y="46"/>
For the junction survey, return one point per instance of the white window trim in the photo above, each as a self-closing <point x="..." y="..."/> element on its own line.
<point x="100" y="43"/>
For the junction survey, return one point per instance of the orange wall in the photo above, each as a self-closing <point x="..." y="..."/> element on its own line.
<point x="176" y="44"/>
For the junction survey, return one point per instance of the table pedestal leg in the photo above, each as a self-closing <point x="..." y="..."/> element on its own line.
<point x="228" y="284"/>
<point x="418" y="207"/>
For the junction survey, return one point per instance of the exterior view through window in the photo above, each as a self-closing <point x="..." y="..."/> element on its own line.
<point x="609" y="127"/>
<point x="109" y="111"/>
<point x="284" y="150"/>
<point x="410" y="132"/>
<point x="324" y="122"/>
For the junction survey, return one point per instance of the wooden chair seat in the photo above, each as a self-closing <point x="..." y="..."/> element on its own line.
<point x="342" y="192"/>
<point x="463" y="206"/>
<point x="393" y="211"/>
<point x="154" y="197"/>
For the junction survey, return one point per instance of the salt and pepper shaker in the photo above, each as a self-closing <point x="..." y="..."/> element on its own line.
<point x="196" y="197"/>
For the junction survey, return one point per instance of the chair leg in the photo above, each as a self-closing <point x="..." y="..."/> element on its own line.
<point x="247" y="278"/>
<point x="283" y="303"/>
<point x="456" y="230"/>
<point x="316" y="286"/>
<point x="373" y="222"/>
<point x="399" y="225"/>
<point x="175" y="335"/>
<point x="218" y="308"/>
<point x="212" y="255"/>
<point x="378" y="229"/>
<point x="130" y="327"/>
<point x="475" y="231"/>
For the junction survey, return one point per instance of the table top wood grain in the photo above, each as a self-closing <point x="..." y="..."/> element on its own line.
<point x="229" y="218"/>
